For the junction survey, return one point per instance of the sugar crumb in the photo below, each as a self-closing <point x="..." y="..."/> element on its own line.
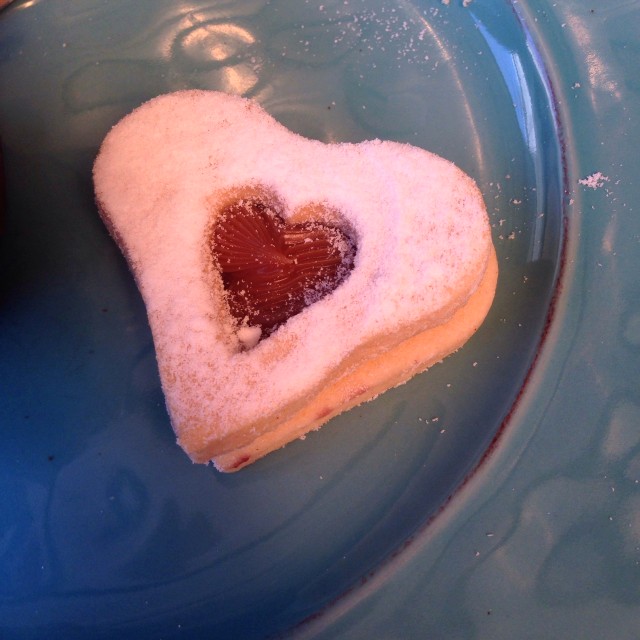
<point x="594" y="181"/>
<point x="249" y="336"/>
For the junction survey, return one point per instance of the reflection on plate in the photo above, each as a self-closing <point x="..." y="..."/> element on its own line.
<point x="106" y="526"/>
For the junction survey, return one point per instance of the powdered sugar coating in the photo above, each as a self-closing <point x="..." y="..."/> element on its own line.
<point x="420" y="225"/>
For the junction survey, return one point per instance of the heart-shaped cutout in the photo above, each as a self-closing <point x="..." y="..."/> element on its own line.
<point x="272" y="270"/>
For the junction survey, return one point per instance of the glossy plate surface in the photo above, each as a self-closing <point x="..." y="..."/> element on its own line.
<point x="494" y="496"/>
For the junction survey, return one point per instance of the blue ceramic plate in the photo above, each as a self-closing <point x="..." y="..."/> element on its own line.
<point x="494" y="496"/>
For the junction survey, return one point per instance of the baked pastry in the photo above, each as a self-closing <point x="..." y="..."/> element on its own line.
<point x="394" y="267"/>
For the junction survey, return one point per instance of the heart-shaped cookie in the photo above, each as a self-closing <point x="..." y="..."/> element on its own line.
<point x="272" y="270"/>
<point x="422" y="279"/>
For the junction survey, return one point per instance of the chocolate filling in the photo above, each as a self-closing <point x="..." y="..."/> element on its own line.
<point x="272" y="270"/>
